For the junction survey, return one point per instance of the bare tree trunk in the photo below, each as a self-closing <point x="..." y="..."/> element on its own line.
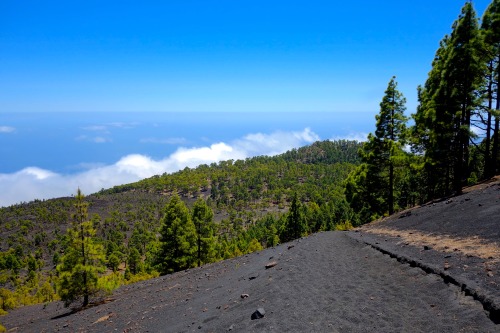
<point x="494" y="152"/>
<point x="488" y="169"/>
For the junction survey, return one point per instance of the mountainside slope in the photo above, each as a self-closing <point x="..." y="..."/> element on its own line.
<point x="325" y="282"/>
<point x="457" y="238"/>
<point x="250" y="199"/>
<point x="328" y="281"/>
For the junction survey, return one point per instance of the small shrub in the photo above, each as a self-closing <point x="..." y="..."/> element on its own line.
<point x="344" y="226"/>
<point x="141" y="276"/>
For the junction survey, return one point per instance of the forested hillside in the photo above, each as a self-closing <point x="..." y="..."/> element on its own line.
<point x="176" y="221"/>
<point x="229" y="208"/>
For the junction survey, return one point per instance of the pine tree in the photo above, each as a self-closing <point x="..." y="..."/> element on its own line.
<point x="432" y="133"/>
<point x="464" y="72"/>
<point x="134" y="260"/>
<point x="370" y="188"/>
<point x="390" y="134"/>
<point x="294" y="225"/>
<point x="83" y="258"/>
<point x="178" y="238"/>
<point x="448" y="100"/>
<point x="202" y="216"/>
<point x="490" y="29"/>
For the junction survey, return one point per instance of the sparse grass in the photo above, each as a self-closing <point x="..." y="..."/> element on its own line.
<point x="141" y="277"/>
<point x="474" y="246"/>
<point x="344" y="226"/>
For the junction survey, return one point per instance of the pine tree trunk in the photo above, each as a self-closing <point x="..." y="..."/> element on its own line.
<point x="86" y="287"/>
<point x="199" y="244"/>
<point x="494" y="152"/>
<point x="391" y="188"/>
<point x="488" y="170"/>
<point x="391" y="166"/>
<point x="458" y="156"/>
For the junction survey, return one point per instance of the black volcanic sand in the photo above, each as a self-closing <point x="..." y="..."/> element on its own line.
<point x="328" y="282"/>
<point x="457" y="238"/>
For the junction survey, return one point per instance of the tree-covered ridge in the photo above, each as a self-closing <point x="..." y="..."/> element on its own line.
<point x="454" y="141"/>
<point x="260" y="182"/>
<point x="235" y="207"/>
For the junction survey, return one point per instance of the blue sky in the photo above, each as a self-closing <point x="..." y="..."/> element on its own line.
<point x="78" y="77"/>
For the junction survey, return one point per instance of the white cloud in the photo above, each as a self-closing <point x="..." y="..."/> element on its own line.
<point x="353" y="136"/>
<point x="124" y="125"/>
<point x="95" y="139"/>
<point x="275" y="143"/>
<point x="35" y="183"/>
<point x="98" y="128"/>
<point x="100" y="139"/>
<point x="37" y="173"/>
<point x="105" y="128"/>
<point x="7" y="129"/>
<point x="478" y="132"/>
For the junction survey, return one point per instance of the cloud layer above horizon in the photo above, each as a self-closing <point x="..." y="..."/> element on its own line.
<point x="33" y="183"/>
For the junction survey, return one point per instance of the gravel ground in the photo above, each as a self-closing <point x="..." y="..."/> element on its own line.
<point x="457" y="238"/>
<point x="327" y="282"/>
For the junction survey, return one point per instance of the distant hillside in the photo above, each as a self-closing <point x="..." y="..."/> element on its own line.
<point x="252" y="172"/>
<point x="250" y="199"/>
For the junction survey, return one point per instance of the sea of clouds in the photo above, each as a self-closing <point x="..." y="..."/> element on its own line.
<point x="33" y="182"/>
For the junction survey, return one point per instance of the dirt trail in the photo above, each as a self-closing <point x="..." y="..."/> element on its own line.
<point x="328" y="282"/>
<point x="457" y="238"/>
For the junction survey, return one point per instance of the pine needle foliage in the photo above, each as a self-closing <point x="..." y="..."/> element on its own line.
<point x="178" y="238"/>
<point x="202" y="216"/>
<point x="83" y="259"/>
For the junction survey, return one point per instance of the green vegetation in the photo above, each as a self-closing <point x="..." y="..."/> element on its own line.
<point x="372" y="188"/>
<point x="178" y="238"/>
<point x="169" y="222"/>
<point x="460" y="98"/>
<point x="83" y="259"/>
<point x="192" y="217"/>
<point x="202" y="217"/>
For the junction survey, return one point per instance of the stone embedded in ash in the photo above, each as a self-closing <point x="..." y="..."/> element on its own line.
<point x="271" y="264"/>
<point x="244" y="295"/>
<point x="258" y="314"/>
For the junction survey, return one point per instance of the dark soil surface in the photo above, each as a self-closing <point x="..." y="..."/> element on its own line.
<point x="327" y="282"/>
<point x="457" y="238"/>
<point x="434" y="270"/>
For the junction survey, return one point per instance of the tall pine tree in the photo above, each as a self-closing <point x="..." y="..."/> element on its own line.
<point x="83" y="258"/>
<point x="432" y="133"/>
<point x="447" y="104"/>
<point x="202" y="216"/>
<point x="178" y="238"/>
<point x="490" y="29"/>
<point x="465" y="73"/>
<point x="294" y="225"/>
<point x="370" y="189"/>
<point x="390" y="134"/>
